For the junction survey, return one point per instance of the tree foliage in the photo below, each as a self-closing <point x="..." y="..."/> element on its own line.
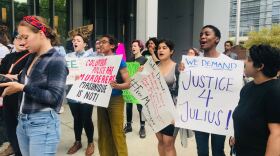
<point x="269" y="36"/>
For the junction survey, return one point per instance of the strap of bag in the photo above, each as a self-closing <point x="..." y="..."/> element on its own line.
<point x="20" y="59"/>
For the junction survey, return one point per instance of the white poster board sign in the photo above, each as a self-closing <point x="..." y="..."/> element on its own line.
<point x="208" y="93"/>
<point x="74" y="66"/>
<point x="151" y="90"/>
<point x="93" y="86"/>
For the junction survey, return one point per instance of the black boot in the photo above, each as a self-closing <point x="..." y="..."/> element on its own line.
<point x="142" y="132"/>
<point x="127" y="128"/>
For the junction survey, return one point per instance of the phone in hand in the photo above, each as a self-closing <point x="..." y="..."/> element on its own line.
<point x="4" y="79"/>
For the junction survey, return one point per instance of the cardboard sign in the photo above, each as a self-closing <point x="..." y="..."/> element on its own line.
<point x="132" y="68"/>
<point x="83" y="30"/>
<point x="151" y="90"/>
<point x="93" y="86"/>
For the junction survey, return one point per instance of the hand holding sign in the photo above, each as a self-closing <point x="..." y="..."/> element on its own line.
<point x="75" y="66"/>
<point x="114" y="84"/>
<point x="181" y="66"/>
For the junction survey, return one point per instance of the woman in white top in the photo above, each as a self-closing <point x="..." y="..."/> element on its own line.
<point x="81" y="112"/>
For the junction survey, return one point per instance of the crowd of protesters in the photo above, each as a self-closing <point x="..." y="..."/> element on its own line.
<point x="33" y="88"/>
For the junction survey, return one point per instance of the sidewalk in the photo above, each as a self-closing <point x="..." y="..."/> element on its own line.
<point x="136" y="146"/>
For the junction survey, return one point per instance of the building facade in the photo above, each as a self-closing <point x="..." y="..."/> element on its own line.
<point x="254" y="14"/>
<point x="177" y="20"/>
<point x="182" y="20"/>
<point x="55" y="12"/>
<point x="115" y="17"/>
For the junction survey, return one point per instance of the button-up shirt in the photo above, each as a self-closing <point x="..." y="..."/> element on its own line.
<point x="46" y="82"/>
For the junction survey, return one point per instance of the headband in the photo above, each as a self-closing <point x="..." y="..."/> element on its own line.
<point x="36" y="23"/>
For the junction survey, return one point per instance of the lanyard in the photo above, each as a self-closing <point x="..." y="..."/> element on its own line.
<point x="20" y="59"/>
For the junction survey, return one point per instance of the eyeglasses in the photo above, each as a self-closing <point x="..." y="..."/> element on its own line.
<point x="103" y="42"/>
<point x="21" y="37"/>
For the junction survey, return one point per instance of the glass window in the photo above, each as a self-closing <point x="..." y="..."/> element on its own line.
<point x="44" y="9"/>
<point x="22" y="9"/>
<point x="6" y="14"/>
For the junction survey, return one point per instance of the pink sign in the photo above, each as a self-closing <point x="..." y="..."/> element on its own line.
<point x="121" y="50"/>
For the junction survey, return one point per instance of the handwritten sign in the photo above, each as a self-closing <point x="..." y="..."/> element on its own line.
<point x="150" y="88"/>
<point x="208" y="93"/>
<point x="132" y="68"/>
<point x="74" y="66"/>
<point x="93" y="86"/>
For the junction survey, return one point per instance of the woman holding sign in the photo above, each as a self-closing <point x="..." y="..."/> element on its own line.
<point x="110" y="120"/>
<point x="209" y="39"/>
<point x="41" y="86"/>
<point x="82" y="113"/>
<point x="166" y="137"/>
<point x="256" y="118"/>
<point x="136" y="47"/>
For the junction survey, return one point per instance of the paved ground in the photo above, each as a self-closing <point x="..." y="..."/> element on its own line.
<point x="136" y="146"/>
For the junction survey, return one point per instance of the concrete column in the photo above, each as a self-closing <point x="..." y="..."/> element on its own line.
<point x="141" y="20"/>
<point x="147" y="19"/>
<point x="77" y="13"/>
<point x="214" y="13"/>
<point x="198" y="17"/>
<point x="152" y="18"/>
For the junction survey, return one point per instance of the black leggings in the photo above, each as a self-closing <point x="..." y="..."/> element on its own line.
<point x="10" y="115"/>
<point x="82" y="114"/>
<point x="129" y="113"/>
<point x="3" y="134"/>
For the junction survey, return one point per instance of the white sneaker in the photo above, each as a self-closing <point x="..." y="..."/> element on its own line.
<point x="61" y="110"/>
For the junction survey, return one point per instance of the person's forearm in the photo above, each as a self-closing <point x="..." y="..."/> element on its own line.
<point x="273" y="145"/>
<point x="155" y="57"/>
<point x="123" y="86"/>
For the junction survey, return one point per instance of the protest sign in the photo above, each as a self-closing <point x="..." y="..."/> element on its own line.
<point x="121" y="50"/>
<point x="85" y="31"/>
<point x="151" y="90"/>
<point x="208" y="93"/>
<point x="74" y="66"/>
<point x="132" y="68"/>
<point x="93" y="86"/>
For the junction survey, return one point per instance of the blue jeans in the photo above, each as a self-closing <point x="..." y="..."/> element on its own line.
<point x="38" y="133"/>
<point x="217" y="142"/>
